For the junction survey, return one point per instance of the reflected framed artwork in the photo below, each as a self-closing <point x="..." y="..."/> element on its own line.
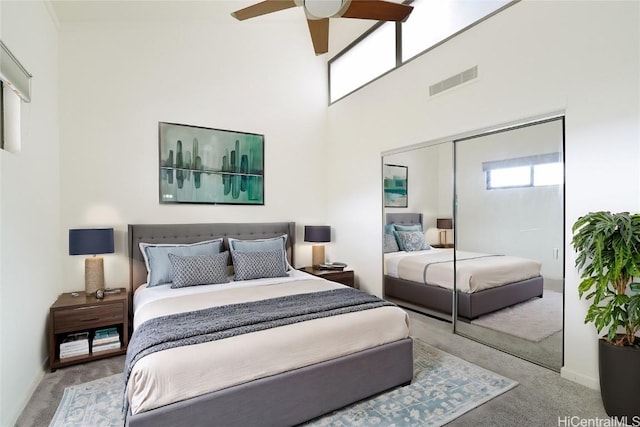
<point x="210" y="166"/>
<point x="395" y="186"/>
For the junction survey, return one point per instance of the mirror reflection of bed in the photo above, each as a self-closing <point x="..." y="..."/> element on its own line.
<point x="508" y="256"/>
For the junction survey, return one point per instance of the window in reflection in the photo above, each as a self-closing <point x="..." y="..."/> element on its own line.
<point x="531" y="171"/>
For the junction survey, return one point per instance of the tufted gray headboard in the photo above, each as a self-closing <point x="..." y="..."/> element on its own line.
<point x="404" y="218"/>
<point x="191" y="233"/>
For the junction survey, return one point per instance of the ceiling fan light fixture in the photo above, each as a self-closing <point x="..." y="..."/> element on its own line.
<point x="320" y="9"/>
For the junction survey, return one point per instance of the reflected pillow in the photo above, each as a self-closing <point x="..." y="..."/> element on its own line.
<point x="258" y="265"/>
<point x="411" y="241"/>
<point x="262" y="245"/>
<point x="390" y="243"/>
<point x="159" y="268"/>
<point x="199" y="269"/>
<point x="413" y="227"/>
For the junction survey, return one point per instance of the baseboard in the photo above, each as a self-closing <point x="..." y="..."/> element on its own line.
<point x="593" y="383"/>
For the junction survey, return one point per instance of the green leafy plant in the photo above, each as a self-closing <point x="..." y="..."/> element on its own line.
<point x="608" y="248"/>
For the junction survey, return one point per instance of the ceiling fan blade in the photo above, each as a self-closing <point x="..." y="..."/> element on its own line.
<point x="262" y="8"/>
<point x="379" y="10"/>
<point x="319" y="29"/>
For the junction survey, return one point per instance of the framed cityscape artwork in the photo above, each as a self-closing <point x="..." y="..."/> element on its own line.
<point x="395" y="186"/>
<point x="212" y="166"/>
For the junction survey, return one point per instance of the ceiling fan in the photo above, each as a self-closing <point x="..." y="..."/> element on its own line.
<point x="318" y="13"/>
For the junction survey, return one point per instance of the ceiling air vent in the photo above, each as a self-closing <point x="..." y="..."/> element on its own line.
<point x="453" y="81"/>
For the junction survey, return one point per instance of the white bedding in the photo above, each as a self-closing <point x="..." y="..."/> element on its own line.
<point x="184" y="372"/>
<point x="475" y="271"/>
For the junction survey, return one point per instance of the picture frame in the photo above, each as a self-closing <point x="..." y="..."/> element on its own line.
<point x="210" y="166"/>
<point x="395" y="185"/>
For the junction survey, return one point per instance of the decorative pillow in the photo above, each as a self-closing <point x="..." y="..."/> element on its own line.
<point x="411" y="240"/>
<point x="257" y="265"/>
<point x="413" y="227"/>
<point x="390" y="243"/>
<point x="262" y="245"/>
<point x="199" y="269"/>
<point x="159" y="269"/>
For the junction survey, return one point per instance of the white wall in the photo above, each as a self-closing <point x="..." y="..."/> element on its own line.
<point x="534" y="58"/>
<point x="118" y="80"/>
<point x="526" y="222"/>
<point x="30" y="210"/>
<point x="430" y="171"/>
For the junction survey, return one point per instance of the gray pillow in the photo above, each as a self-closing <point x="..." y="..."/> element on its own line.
<point x="390" y="243"/>
<point x="262" y="245"/>
<point x="157" y="261"/>
<point x="199" y="269"/>
<point x="411" y="241"/>
<point x="257" y="265"/>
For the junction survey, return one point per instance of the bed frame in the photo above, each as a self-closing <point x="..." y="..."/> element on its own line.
<point x="285" y="399"/>
<point x="438" y="301"/>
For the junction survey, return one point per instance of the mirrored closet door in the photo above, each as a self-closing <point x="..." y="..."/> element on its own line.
<point x="509" y="240"/>
<point x="418" y="197"/>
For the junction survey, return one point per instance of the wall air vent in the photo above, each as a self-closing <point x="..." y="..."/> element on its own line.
<point x="453" y="81"/>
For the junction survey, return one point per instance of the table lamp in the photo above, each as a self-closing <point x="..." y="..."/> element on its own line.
<point x="317" y="234"/>
<point x="92" y="241"/>
<point x="443" y="224"/>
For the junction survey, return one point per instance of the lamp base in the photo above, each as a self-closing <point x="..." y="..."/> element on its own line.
<point x="317" y="255"/>
<point x="442" y="237"/>
<point x="93" y="274"/>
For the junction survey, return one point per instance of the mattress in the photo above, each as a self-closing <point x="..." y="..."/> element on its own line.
<point x="185" y="372"/>
<point x="474" y="271"/>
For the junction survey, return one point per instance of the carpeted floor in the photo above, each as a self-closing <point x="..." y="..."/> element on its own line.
<point x="505" y="331"/>
<point x="532" y="320"/>
<point x="444" y="387"/>
<point x="542" y="398"/>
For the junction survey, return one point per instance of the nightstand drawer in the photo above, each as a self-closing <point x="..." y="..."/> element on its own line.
<point x="90" y="316"/>
<point x="344" y="277"/>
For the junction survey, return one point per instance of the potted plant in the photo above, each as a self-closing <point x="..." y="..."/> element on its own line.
<point x="608" y="258"/>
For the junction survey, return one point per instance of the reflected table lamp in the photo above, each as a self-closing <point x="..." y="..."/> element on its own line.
<point x="317" y="234"/>
<point x="92" y="241"/>
<point x="443" y="224"/>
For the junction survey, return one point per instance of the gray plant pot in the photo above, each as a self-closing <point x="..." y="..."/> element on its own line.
<point x="620" y="380"/>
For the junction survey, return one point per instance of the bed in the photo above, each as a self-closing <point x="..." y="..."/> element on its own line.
<point x="487" y="284"/>
<point x="273" y="377"/>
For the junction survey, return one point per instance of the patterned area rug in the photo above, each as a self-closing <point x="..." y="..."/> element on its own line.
<point x="533" y="320"/>
<point x="444" y="387"/>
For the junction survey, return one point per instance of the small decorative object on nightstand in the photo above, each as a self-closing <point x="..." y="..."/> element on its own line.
<point x="346" y="277"/>
<point x="75" y="319"/>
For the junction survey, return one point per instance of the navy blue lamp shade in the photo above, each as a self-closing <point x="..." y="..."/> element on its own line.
<point x="92" y="241"/>
<point x="317" y="234"/>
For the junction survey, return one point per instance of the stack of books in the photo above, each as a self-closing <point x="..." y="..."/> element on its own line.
<point x="105" y="339"/>
<point x="74" y="345"/>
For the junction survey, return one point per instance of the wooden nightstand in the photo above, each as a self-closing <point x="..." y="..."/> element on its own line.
<point x="86" y="313"/>
<point x="346" y="277"/>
